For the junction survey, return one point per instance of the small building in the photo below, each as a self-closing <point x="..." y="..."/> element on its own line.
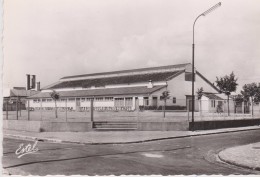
<point x="125" y="90"/>
<point x="211" y="103"/>
<point x="16" y="98"/>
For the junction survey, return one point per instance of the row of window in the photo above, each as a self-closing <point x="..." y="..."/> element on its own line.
<point x="118" y="100"/>
<point x="73" y="99"/>
<point x="128" y="101"/>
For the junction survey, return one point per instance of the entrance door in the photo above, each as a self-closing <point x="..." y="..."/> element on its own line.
<point x="136" y="103"/>
<point x="189" y="102"/>
<point x="155" y="101"/>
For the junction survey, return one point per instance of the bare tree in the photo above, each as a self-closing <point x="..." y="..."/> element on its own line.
<point x="55" y="96"/>
<point x="165" y="96"/>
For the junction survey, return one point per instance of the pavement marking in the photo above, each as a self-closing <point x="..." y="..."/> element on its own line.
<point x="153" y="155"/>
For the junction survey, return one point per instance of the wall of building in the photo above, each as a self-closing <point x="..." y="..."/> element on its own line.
<point x="128" y="101"/>
<point x="202" y="83"/>
<point x="205" y="104"/>
<point x="179" y="88"/>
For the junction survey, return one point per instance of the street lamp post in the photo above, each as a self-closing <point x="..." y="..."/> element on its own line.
<point x="193" y="63"/>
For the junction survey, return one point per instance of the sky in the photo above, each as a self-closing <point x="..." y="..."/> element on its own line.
<point x="56" y="38"/>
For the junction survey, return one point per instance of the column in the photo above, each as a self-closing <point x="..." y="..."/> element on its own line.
<point x="133" y="103"/>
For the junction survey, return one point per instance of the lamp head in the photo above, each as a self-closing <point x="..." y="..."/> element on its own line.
<point x="211" y="9"/>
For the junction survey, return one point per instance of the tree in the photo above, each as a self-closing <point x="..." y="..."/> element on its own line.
<point x="238" y="98"/>
<point x="165" y="96"/>
<point x="200" y="94"/>
<point x="251" y="92"/>
<point x="55" y="96"/>
<point x="227" y="85"/>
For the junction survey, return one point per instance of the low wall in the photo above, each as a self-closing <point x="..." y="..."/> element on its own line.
<point x="65" y="126"/>
<point x="44" y="126"/>
<point x="22" y="125"/>
<point x="207" y="125"/>
<point x="41" y="126"/>
<point x="162" y="126"/>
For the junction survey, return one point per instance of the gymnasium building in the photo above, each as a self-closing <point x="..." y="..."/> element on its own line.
<point x="126" y="90"/>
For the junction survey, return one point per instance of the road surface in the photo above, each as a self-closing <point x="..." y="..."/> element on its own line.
<point x="194" y="155"/>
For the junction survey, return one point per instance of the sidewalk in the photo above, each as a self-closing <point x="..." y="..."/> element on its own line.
<point x="247" y="156"/>
<point x="115" y="137"/>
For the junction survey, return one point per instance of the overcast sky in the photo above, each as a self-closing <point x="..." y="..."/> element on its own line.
<point x="57" y="38"/>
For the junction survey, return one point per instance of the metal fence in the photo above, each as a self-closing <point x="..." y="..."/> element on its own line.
<point x="226" y="110"/>
<point x="146" y="110"/>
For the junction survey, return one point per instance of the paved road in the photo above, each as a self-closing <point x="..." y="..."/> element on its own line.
<point x="186" y="156"/>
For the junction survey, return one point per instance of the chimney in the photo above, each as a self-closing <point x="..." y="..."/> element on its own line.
<point x="33" y="81"/>
<point x="38" y="87"/>
<point x="150" y="84"/>
<point x="28" y="81"/>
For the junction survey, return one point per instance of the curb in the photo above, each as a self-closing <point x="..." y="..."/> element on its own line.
<point x="140" y="141"/>
<point x="33" y="138"/>
<point x="237" y="164"/>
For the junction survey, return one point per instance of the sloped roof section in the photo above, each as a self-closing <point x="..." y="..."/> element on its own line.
<point x="100" y="82"/>
<point x="101" y="92"/>
<point x="129" y="71"/>
<point x="22" y="93"/>
<point x="206" y="80"/>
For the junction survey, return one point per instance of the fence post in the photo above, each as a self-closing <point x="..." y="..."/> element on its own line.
<point x="20" y="110"/>
<point x="243" y="107"/>
<point x="41" y="109"/>
<point x="17" y="108"/>
<point x="66" y="109"/>
<point x="6" y="110"/>
<point x="188" y="109"/>
<point x="164" y="105"/>
<point x="91" y="114"/>
<point x="28" y="109"/>
<point x="137" y="108"/>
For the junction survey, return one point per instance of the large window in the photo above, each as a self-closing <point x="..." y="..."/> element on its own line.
<point x="213" y="103"/>
<point x="146" y="101"/>
<point x="108" y="98"/>
<point x="82" y="99"/>
<point x="119" y="102"/>
<point x="129" y="102"/>
<point x="99" y="99"/>
<point x="49" y="100"/>
<point x="36" y="100"/>
<point x="188" y="76"/>
<point x="173" y="99"/>
<point x="71" y="99"/>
